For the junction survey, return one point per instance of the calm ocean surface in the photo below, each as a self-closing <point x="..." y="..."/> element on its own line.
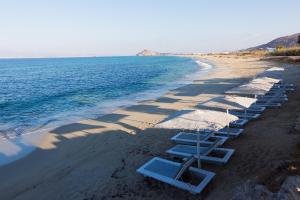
<point x="37" y="93"/>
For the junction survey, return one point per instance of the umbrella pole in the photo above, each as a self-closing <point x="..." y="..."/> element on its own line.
<point x="227" y="122"/>
<point x="198" y="149"/>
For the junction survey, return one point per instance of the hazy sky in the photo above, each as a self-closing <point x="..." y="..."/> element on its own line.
<point x="37" y="28"/>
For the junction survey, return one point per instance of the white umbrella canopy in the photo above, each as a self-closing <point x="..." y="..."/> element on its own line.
<point x="275" y="69"/>
<point x="257" y="86"/>
<point x="197" y="120"/>
<point x="274" y="72"/>
<point x="266" y="80"/>
<point x="230" y="102"/>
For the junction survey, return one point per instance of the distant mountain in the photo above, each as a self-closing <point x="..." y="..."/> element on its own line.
<point x="147" y="52"/>
<point x="286" y="41"/>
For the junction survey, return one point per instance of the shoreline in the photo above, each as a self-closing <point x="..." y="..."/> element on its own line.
<point x="97" y="159"/>
<point x="22" y="145"/>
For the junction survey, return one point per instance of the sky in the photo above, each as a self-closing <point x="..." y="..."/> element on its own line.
<point x="68" y="28"/>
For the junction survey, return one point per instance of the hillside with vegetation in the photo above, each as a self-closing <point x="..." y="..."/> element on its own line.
<point x="284" y="42"/>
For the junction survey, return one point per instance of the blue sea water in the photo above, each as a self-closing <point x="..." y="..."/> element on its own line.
<point x="35" y="93"/>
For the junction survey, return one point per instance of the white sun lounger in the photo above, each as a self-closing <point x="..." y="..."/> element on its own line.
<point x="276" y="91"/>
<point x="268" y="104"/>
<point x="238" y="123"/>
<point x="170" y="172"/>
<point x="222" y="135"/>
<point x="229" y="132"/>
<point x="242" y="115"/>
<point x="254" y="109"/>
<point x="288" y="87"/>
<point x="285" y="86"/>
<point x="283" y="97"/>
<point x="273" y="100"/>
<point x="191" y="138"/>
<point x="185" y="151"/>
<point x="279" y="99"/>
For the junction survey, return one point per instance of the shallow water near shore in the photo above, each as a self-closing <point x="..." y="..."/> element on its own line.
<point x="41" y="93"/>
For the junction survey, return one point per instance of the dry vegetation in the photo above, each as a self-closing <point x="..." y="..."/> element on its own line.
<point x="292" y="51"/>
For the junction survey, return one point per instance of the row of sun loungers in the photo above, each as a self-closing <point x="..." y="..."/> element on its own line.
<point x="206" y="129"/>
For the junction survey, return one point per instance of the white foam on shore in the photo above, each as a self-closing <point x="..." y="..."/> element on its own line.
<point x="17" y="146"/>
<point x="205" y="65"/>
<point x="14" y="149"/>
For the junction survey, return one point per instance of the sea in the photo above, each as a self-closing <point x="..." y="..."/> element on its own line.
<point x="37" y="94"/>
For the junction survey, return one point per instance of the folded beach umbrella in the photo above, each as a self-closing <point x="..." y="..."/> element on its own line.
<point x="275" y="69"/>
<point x="205" y="120"/>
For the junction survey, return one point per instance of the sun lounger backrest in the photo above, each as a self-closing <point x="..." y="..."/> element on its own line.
<point x="184" y="166"/>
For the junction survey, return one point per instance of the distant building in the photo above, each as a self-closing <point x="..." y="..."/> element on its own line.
<point x="270" y="49"/>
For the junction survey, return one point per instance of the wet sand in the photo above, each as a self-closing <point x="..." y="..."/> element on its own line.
<point x="97" y="159"/>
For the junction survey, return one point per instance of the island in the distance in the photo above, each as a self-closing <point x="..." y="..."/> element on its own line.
<point x="147" y="52"/>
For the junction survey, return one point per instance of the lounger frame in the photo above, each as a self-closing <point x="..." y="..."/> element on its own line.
<point x="176" y="138"/>
<point x="229" y="132"/>
<point x="206" y="176"/>
<point x="242" y="115"/>
<point x="205" y="157"/>
<point x="238" y="123"/>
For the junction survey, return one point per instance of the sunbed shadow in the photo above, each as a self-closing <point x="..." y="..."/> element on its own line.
<point x="213" y="86"/>
<point x="111" y="117"/>
<point x="166" y="100"/>
<point x="150" y="109"/>
<point x="128" y="126"/>
<point x="69" y="128"/>
<point x="225" y="80"/>
<point x="93" y="161"/>
<point x="204" y="107"/>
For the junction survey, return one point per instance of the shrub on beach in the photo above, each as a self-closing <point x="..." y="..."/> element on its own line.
<point x="282" y="51"/>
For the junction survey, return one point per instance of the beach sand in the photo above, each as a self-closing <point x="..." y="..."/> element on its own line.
<point x="97" y="159"/>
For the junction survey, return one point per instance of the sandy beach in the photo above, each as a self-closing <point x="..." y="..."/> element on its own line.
<point x="97" y="159"/>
